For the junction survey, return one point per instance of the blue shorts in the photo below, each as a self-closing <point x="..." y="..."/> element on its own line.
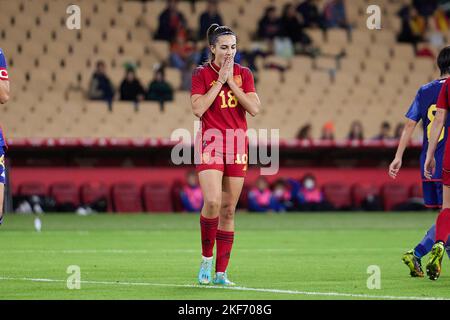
<point x="2" y="166"/>
<point x="432" y="193"/>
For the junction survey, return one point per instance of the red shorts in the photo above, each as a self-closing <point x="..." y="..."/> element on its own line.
<point x="446" y="177"/>
<point x="232" y="160"/>
<point x="236" y="166"/>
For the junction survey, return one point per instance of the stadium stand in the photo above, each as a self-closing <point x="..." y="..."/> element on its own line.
<point x="127" y="37"/>
<point x="394" y="194"/>
<point x="126" y="197"/>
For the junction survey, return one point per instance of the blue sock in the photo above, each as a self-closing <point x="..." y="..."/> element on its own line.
<point x="426" y="244"/>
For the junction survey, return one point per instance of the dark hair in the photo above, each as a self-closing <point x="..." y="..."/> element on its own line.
<point x="286" y="8"/>
<point x="269" y="9"/>
<point x="443" y="61"/>
<point x="303" y="132"/>
<point x="356" y="136"/>
<point x="262" y="178"/>
<point x="279" y="181"/>
<point x="214" y="32"/>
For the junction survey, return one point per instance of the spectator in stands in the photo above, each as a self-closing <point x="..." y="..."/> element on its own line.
<point x="335" y="16"/>
<point x="191" y="194"/>
<point x="269" y="24"/>
<point x="131" y="88"/>
<point x="291" y="26"/>
<point x="182" y="52"/>
<point x="441" y="20"/>
<point x="356" y="131"/>
<point x="281" y="197"/>
<point x="418" y="24"/>
<point x="209" y="17"/>
<point x="159" y="89"/>
<point x="437" y="27"/>
<point x="305" y="132"/>
<point x="413" y="26"/>
<point x="310" y="13"/>
<point x="308" y="195"/>
<point x="328" y="131"/>
<point x="171" y="22"/>
<point x="425" y="8"/>
<point x="101" y="87"/>
<point x="399" y="130"/>
<point x="260" y="196"/>
<point x="385" y="131"/>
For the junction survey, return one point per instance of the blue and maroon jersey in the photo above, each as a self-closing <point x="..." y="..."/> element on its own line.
<point x="3" y="77"/>
<point x="424" y="108"/>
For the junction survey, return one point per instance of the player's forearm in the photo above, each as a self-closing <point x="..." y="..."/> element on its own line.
<point x="405" y="138"/>
<point x="4" y="91"/>
<point x="435" y="131"/>
<point x="251" y="104"/>
<point x="202" y="103"/>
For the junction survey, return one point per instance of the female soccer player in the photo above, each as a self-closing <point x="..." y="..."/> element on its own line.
<point x="4" y="97"/>
<point x="222" y="92"/>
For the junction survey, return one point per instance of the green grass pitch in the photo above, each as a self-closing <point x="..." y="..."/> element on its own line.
<point x="147" y="256"/>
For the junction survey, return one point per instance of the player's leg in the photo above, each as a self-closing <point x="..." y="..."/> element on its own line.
<point x="439" y="188"/>
<point x="442" y="232"/>
<point x="232" y="187"/>
<point x="432" y="195"/>
<point x="211" y="185"/>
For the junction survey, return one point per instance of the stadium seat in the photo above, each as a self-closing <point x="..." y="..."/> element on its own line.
<point x="157" y="197"/>
<point x="415" y="191"/>
<point x="126" y="198"/>
<point x="393" y="194"/>
<point x="338" y="195"/>
<point x="360" y="192"/>
<point x="175" y="195"/>
<point x="93" y="191"/>
<point x="32" y="188"/>
<point x="65" y="193"/>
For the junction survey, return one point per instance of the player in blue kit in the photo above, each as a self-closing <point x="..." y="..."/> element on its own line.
<point x="4" y="97"/>
<point x="424" y="108"/>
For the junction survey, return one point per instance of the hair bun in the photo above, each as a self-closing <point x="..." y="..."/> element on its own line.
<point x="209" y="34"/>
<point x="213" y="27"/>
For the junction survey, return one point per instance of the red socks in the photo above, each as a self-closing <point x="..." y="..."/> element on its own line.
<point x="224" y="239"/>
<point x="208" y="230"/>
<point x="443" y="225"/>
<point x="224" y="245"/>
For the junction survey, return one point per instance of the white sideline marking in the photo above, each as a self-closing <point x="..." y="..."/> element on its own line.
<point x="293" y="292"/>
<point x="143" y="251"/>
<point x="146" y="251"/>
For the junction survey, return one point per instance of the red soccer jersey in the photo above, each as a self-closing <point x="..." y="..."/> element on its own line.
<point x="225" y="112"/>
<point x="444" y="99"/>
<point x="444" y="103"/>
